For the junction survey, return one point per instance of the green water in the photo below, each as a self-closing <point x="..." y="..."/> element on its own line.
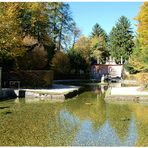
<point x="85" y="120"/>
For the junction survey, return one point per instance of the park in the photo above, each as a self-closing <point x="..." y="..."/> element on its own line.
<point x="63" y="83"/>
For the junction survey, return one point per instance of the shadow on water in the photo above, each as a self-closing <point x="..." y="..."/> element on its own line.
<point x="8" y="112"/>
<point x="3" y="107"/>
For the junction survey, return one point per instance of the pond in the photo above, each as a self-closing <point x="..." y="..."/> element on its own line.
<point x="85" y="120"/>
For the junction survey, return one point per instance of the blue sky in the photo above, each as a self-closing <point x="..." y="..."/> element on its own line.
<point x="106" y="14"/>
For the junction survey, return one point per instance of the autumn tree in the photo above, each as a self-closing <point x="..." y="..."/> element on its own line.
<point x="121" y="40"/>
<point x="139" y="58"/>
<point x="83" y="46"/>
<point x="34" y="20"/>
<point x="10" y="31"/>
<point x="35" y="59"/>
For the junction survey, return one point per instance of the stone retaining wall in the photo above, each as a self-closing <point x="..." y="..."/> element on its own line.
<point x="40" y="95"/>
<point x="33" y="97"/>
<point x="127" y="98"/>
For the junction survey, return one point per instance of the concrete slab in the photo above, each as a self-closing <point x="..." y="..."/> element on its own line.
<point x="56" y="89"/>
<point x="126" y="94"/>
<point x="127" y="91"/>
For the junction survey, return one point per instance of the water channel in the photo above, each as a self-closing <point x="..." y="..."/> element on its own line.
<point x="85" y="120"/>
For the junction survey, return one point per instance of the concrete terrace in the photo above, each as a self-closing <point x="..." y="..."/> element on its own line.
<point x="127" y="91"/>
<point x="127" y="94"/>
<point x="56" y="93"/>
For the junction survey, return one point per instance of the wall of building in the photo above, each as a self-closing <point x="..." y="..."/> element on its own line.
<point x="112" y="70"/>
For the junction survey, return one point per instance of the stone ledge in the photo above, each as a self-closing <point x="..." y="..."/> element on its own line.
<point x="58" y="93"/>
<point x="126" y="94"/>
<point x="127" y="98"/>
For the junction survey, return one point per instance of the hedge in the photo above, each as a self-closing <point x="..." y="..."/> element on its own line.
<point x="29" y="78"/>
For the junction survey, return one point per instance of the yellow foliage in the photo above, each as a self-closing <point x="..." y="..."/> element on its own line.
<point x="143" y="24"/>
<point x="130" y="77"/>
<point x="143" y="79"/>
<point x="83" y="46"/>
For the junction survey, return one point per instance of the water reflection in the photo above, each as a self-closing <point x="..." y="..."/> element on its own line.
<point x="141" y="116"/>
<point x="85" y="120"/>
<point x="88" y="107"/>
<point x="81" y="132"/>
<point x="105" y="136"/>
<point x="119" y="116"/>
<point x="65" y="127"/>
<point x="89" y="121"/>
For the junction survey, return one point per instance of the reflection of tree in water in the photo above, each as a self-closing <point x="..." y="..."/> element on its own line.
<point x="63" y="128"/>
<point x="119" y="116"/>
<point x="67" y="121"/>
<point x="141" y="117"/>
<point x="88" y="107"/>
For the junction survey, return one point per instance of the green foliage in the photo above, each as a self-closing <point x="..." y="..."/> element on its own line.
<point x="77" y="62"/>
<point x="61" y="63"/>
<point x="94" y="47"/>
<point x="99" y="32"/>
<point x="61" y="22"/>
<point x="99" y="41"/>
<point x="136" y="59"/>
<point x="121" y="40"/>
<point x="130" y="68"/>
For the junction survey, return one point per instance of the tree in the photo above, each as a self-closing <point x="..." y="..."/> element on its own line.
<point x="139" y="58"/>
<point x="45" y="24"/>
<point x="99" y="49"/>
<point x="136" y="59"/>
<point x="10" y="40"/>
<point x="77" y="62"/>
<point x="35" y="20"/>
<point x="83" y="46"/>
<point x="61" y="22"/>
<point x="97" y="31"/>
<point x="34" y="59"/>
<point x="61" y="63"/>
<point x="142" y="29"/>
<point x="76" y="32"/>
<point x="99" y="41"/>
<point x="121" y="40"/>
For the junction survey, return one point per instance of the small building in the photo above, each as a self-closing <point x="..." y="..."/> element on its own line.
<point x="109" y="70"/>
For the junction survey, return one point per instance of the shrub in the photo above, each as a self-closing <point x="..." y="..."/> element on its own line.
<point x="34" y="59"/>
<point x="29" y="79"/>
<point x="143" y="79"/>
<point x="61" y="63"/>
